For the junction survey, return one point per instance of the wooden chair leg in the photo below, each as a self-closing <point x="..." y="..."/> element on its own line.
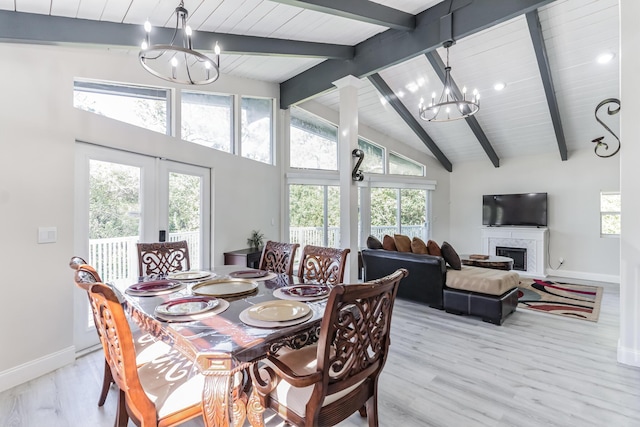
<point x="107" y="379"/>
<point x="122" y="418"/>
<point x="372" y="411"/>
<point x="363" y="412"/>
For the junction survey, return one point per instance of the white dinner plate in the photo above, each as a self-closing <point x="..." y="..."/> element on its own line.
<point x="279" y="310"/>
<point x="187" y="306"/>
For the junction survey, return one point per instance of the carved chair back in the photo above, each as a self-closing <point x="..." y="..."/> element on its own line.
<point x="119" y="349"/>
<point x="163" y="257"/>
<point x="352" y="349"/>
<point x="323" y="265"/>
<point x="278" y="257"/>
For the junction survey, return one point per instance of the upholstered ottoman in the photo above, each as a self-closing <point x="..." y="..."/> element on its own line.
<point x="487" y="293"/>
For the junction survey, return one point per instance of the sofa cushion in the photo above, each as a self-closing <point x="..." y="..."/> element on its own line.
<point x="418" y="246"/>
<point x="451" y="256"/>
<point x="433" y="248"/>
<point x="388" y="243"/>
<point x="403" y="243"/>
<point x="374" y="243"/>
<point x="482" y="280"/>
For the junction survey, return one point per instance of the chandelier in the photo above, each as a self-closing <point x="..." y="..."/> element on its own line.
<point x="452" y="105"/>
<point x="177" y="61"/>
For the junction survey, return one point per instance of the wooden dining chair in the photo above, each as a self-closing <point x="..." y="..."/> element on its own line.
<point x="86" y="276"/>
<point x="163" y="257"/>
<point x="146" y="347"/>
<point x="323" y="265"/>
<point x="278" y="257"/>
<point x="158" y="393"/>
<point x="323" y="384"/>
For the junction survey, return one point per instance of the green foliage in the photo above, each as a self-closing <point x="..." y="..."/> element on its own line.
<point x="114" y="206"/>
<point x="184" y="202"/>
<point x="255" y="240"/>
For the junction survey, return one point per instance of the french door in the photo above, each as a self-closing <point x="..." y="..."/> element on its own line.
<point x="124" y="198"/>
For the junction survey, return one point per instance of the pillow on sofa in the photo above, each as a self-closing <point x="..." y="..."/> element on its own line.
<point x="388" y="243"/>
<point x="418" y="246"/>
<point x="451" y="256"/>
<point x="433" y="248"/>
<point x="374" y="243"/>
<point x="403" y="243"/>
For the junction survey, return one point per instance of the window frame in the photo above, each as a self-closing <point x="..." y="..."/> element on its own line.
<point x="405" y="158"/>
<point x="272" y="130"/>
<point x="323" y="121"/>
<point x="232" y="112"/>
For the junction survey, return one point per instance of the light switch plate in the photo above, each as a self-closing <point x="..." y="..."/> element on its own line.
<point x="47" y="234"/>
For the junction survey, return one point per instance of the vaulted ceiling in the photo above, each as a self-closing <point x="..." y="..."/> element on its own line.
<point x="544" y="51"/>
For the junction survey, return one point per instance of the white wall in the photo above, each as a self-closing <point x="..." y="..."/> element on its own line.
<point x="573" y="188"/>
<point x="629" y="344"/>
<point x="38" y="130"/>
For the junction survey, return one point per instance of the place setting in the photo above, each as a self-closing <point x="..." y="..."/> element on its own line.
<point x="276" y="314"/>
<point x="190" y="308"/>
<point x="154" y="287"/>
<point x="302" y="292"/>
<point x="253" y="274"/>
<point x="190" y="275"/>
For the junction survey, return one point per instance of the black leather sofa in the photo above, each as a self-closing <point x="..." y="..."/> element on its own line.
<point x="426" y="283"/>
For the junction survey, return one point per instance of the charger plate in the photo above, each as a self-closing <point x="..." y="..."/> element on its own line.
<point x="190" y="275"/>
<point x="190" y="317"/>
<point x="154" y="287"/>
<point x="228" y="287"/>
<point x="245" y="318"/>
<point x="286" y="294"/>
<point x="279" y="311"/>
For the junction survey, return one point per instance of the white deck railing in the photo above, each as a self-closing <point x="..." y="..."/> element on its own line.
<point x="117" y="258"/>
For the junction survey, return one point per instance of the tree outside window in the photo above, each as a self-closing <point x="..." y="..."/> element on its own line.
<point x="610" y="207"/>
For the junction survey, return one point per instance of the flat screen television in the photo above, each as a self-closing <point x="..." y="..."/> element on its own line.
<point x="529" y="209"/>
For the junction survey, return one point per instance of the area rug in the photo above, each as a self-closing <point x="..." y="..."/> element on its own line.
<point x="564" y="299"/>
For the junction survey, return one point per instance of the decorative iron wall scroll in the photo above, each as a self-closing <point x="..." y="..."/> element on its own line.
<point x="599" y="143"/>
<point x="357" y="174"/>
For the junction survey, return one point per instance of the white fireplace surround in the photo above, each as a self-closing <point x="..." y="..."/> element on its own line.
<point x="533" y="239"/>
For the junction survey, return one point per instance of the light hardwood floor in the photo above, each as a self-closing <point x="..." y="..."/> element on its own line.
<point x="443" y="370"/>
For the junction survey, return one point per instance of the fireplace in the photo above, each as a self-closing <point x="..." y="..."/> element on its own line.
<point x="519" y="256"/>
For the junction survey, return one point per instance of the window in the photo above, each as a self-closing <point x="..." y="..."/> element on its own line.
<point x="207" y="120"/>
<point x="373" y="157"/>
<point x="146" y="107"/>
<point x="314" y="215"/>
<point x="313" y="143"/>
<point x="610" y="206"/>
<point x="398" y="211"/>
<point x="257" y="129"/>
<point x="402" y="166"/>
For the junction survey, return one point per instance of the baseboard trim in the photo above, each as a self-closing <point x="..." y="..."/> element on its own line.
<point x="628" y="356"/>
<point x="607" y="278"/>
<point x="36" y="368"/>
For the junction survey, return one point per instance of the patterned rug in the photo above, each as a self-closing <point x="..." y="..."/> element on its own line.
<point x="564" y="299"/>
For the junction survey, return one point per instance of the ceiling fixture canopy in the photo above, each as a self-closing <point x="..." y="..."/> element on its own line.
<point x="452" y="105"/>
<point x="177" y="61"/>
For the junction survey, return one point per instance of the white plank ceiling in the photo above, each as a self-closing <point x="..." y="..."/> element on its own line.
<point x="516" y="120"/>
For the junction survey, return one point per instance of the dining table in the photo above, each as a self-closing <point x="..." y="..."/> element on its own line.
<point x="221" y="345"/>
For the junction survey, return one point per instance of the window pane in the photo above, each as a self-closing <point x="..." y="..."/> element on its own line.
<point x="140" y="106"/>
<point x="256" y="127"/>
<point x="373" y="157"/>
<point x="401" y="166"/>
<point x="313" y="142"/>
<point x="185" y="213"/>
<point x="306" y="214"/>
<point x="609" y="202"/>
<point x="206" y="120"/>
<point x="610" y="224"/>
<point x="384" y="210"/>
<point x="333" y="216"/>
<point x="413" y="212"/>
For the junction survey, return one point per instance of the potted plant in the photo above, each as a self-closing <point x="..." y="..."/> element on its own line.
<point x="255" y="239"/>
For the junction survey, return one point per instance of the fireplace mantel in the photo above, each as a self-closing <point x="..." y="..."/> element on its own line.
<point x="532" y="238"/>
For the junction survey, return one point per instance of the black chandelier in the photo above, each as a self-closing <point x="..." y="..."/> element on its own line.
<point x="449" y="106"/>
<point x="177" y="61"/>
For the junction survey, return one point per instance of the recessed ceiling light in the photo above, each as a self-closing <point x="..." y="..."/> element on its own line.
<point x="499" y="86"/>
<point x="606" y="57"/>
